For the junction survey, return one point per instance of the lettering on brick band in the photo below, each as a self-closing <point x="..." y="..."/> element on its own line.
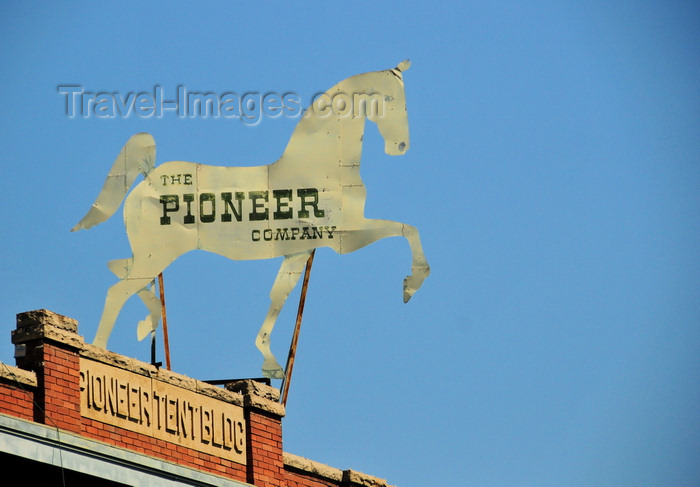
<point x="160" y="410"/>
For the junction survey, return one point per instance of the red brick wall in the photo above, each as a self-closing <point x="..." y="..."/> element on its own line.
<point x="162" y="449"/>
<point x="265" y="464"/>
<point x="48" y="392"/>
<point x="52" y="351"/>
<point x="17" y="400"/>
<point x="60" y="377"/>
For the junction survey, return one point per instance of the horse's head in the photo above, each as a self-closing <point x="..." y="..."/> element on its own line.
<point x="392" y="117"/>
<point x="341" y="111"/>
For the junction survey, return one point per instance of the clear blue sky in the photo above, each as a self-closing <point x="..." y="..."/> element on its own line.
<point x="554" y="175"/>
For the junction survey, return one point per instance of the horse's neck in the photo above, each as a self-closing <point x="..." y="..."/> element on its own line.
<point x="328" y="141"/>
<point x="318" y="141"/>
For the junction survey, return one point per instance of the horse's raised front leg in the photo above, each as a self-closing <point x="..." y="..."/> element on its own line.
<point x="372" y="230"/>
<point x="287" y="277"/>
<point x="419" y="265"/>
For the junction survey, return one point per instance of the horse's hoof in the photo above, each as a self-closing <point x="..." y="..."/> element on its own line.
<point x="406" y="293"/>
<point x="409" y="288"/>
<point x="413" y="282"/>
<point x="273" y="373"/>
<point x="272" y="370"/>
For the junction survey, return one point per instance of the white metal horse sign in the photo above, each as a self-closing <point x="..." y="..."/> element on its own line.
<point x="312" y="196"/>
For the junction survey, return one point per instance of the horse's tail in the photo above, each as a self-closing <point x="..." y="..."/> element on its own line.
<point x="136" y="157"/>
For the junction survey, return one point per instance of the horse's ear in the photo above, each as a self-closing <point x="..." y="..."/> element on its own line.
<point x="404" y="65"/>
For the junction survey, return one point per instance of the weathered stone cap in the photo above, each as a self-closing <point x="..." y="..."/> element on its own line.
<point x="345" y="478"/>
<point x="351" y="478"/>
<point x="47" y="318"/>
<point x="17" y="375"/>
<point x="258" y="395"/>
<point x="45" y="324"/>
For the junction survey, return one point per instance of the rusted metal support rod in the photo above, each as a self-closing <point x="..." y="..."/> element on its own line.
<point x="297" y="327"/>
<point x="166" y="343"/>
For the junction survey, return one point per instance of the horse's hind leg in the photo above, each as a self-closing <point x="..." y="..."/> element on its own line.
<point x="121" y="268"/>
<point x="150" y="323"/>
<point x="116" y="297"/>
<point x="287" y="277"/>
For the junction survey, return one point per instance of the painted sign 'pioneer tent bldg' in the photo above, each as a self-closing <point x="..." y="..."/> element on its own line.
<point x="75" y="414"/>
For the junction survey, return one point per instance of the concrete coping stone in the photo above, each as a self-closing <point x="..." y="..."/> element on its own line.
<point x="47" y="325"/>
<point x="46" y="317"/>
<point x="344" y="477"/>
<point x="15" y="374"/>
<point x="258" y="395"/>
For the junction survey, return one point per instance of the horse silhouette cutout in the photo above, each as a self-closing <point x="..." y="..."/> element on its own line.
<point x="311" y="197"/>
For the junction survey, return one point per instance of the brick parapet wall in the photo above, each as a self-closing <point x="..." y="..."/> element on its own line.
<point x="263" y="418"/>
<point x="157" y="447"/>
<point x="48" y="344"/>
<point x="17" y="390"/>
<point x="265" y="468"/>
<point x="45" y="387"/>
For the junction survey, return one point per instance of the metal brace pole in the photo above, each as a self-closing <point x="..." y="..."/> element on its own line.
<point x="297" y="327"/>
<point x="166" y="343"/>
